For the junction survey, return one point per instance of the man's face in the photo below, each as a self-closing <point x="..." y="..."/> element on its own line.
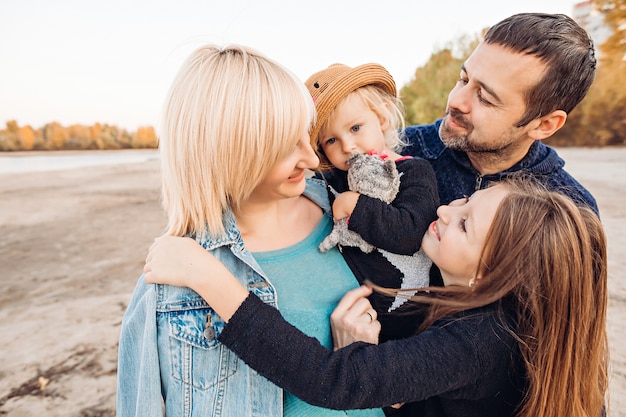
<point x="488" y="100"/>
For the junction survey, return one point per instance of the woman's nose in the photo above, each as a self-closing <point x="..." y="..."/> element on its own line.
<point x="443" y="212"/>
<point x="309" y="157"/>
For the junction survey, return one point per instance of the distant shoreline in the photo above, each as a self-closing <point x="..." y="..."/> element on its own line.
<point x="72" y="152"/>
<point x="41" y="161"/>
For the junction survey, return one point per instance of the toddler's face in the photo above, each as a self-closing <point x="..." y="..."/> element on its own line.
<point x="352" y="127"/>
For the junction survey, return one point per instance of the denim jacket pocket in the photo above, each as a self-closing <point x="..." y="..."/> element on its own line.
<point x="198" y="358"/>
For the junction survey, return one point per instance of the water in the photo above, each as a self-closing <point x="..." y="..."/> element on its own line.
<point x="58" y="161"/>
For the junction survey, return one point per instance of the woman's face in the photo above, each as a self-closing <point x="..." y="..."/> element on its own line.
<point x="455" y="240"/>
<point x="287" y="178"/>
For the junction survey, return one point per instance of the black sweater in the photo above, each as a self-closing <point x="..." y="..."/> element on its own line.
<point x="467" y="365"/>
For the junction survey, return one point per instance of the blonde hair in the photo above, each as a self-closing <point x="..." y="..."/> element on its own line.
<point x="546" y="261"/>
<point x="384" y="105"/>
<point x="230" y="115"/>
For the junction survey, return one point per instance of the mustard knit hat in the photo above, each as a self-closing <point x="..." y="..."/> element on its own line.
<point x="328" y="87"/>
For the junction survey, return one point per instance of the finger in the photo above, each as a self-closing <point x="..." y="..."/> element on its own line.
<point x="375" y="328"/>
<point x="371" y="315"/>
<point x="150" y="254"/>
<point x="352" y="297"/>
<point x="357" y="313"/>
<point x="361" y="307"/>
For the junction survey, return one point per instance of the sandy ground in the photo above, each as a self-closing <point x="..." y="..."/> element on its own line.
<point x="72" y="245"/>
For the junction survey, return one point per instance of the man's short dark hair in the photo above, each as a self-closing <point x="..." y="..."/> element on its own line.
<point x="563" y="46"/>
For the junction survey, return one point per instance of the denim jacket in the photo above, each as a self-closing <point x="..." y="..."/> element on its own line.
<point x="169" y="350"/>
<point x="457" y="178"/>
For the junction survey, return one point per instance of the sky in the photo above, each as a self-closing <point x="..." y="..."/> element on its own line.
<point x="112" y="61"/>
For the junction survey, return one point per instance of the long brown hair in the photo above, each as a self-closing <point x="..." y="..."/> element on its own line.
<point x="546" y="261"/>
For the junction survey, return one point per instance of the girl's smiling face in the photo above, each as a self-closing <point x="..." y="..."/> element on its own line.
<point x="455" y="241"/>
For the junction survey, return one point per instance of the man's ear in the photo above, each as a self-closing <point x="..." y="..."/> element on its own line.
<point x="546" y="126"/>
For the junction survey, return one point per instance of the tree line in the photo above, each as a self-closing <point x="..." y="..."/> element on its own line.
<point x="54" y="136"/>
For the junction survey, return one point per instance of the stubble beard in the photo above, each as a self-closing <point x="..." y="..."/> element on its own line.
<point x="465" y="142"/>
<point x="458" y="141"/>
<point x="485" y="155"/>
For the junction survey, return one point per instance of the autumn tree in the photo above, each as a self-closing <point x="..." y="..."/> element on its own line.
<point x="94" y="134"/>
<point x="426" y="95"/>
<point x="124" y="139"/>
<point x="8" y="137"/>
<point x="26" y="138"/>
<point x="144" y="137"/>
<point x="78" y="137"/>
<point x="612" y="122"/>
<point x="54" y="136"/>
<point x="615" y="16"/>
<point x="600" y="119"/>
<point x="16" y="138"/>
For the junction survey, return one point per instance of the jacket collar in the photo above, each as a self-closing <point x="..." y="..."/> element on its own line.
<point x="540" y="160"/>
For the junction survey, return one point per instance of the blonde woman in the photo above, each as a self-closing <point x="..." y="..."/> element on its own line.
<point x="518" y="329"/>
<point x="235" y="150"/>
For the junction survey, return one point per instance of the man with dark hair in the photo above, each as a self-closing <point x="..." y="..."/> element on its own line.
<point x="515" y="89"/>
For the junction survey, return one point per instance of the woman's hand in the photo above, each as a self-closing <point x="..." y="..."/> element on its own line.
<point x="183" y="262"/>
<point x="178" y="261"/>
<point x="354" y="319"/>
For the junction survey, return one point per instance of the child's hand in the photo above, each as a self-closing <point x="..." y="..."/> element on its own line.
<point x="178" y="261"/>
<point x="344" y="204"/>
